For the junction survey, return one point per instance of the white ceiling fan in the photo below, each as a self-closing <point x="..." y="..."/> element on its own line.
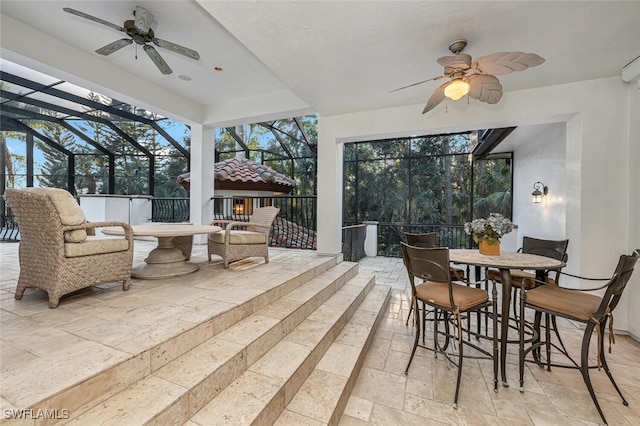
<point x="477" y="78"/>
<point x="139" y="31"/>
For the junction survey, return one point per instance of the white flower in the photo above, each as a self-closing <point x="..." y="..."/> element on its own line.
<point x="491" y="229"/>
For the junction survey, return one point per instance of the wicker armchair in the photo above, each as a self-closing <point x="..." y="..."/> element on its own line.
<point x="59" y="252"/>
<point x="251" y="240"/>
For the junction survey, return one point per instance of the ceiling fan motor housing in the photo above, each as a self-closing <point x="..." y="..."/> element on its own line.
<point x="136" y="35"/>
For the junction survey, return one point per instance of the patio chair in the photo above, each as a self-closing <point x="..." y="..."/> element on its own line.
<point x="451" y="300"/>
<point x="555" y="249"/>
<point x="576" y="305"/>
<point x="59" y="252"/>
<point x="428" y="240"/>
<point x="239" y="240"/>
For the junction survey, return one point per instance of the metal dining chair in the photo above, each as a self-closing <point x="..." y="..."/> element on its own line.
<point x="431" y="265"/>
<point x="577" y="305"/>
<point x="429" y="240"/>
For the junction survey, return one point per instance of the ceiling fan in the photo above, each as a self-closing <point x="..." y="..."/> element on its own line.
<point x="139" y="30"/>
<point x="477" y="78"/>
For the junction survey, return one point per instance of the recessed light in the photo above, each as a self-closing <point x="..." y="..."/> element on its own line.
<point x="184" y="77"/>
<point x="217" y="69"/>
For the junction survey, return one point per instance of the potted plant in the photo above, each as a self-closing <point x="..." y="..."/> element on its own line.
<point x="487" y="232"/>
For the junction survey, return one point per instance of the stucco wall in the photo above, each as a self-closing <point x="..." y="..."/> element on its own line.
<point x="541" y="158"/>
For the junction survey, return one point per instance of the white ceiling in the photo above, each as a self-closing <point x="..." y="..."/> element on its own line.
<point x="329" y="57"/>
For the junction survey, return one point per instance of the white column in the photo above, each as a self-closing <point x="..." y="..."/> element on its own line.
<point x="371" y="240"/>
<point x="329" y="190"/>
<point x="201" y="194"/>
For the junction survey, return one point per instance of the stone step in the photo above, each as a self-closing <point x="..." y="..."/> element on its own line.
<point x="190" y="378"/>
<point x="136" y="337"/>
<point x="260" y="395"/>
<point x="323" y="396"/>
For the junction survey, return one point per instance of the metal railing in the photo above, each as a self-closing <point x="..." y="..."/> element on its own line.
<point x="9" y="231"/>
<point x="295" y="226"/>
<point x="390" y="235"/>
<point x="169" y="210"/>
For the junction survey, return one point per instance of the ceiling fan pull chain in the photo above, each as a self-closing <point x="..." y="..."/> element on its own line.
<point x="136" y="51"/>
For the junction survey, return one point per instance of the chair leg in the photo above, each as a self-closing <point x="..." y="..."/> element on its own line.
<point x="547" y="335"/>
<point x="19" y="291"/>
<point x="603" y="359"/>
<point x="555" y="330"/>
<point x="125" y="284"/>
<point x="417" y="337"/>
<point x="584" y="368"/>
<point x="53" y="301"/>
<point x="424" y="321"/>
<point x="521" y="355"/>
<point x="537" y="336"/>
<point x="494" y="307"/>
<point x="409" y="314"/>
<point x="460" y="358"/>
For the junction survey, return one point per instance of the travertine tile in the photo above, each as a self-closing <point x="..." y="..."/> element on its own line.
<point x="241" y="402"/>
<point x="138" y="404"/>
<point x="281" y="361"/>
<point x="24" y="386"/>
<point x="318" y="396"/>
<point x="380" y="387"/>
<point x="308" y="332"/>
<point x="288" y="418"/>
<point x="359" y="408"/>
<point x="339" y="359"/>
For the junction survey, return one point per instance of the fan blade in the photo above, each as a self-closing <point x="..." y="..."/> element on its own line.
<point x="485" y="88"/>
<point x="436" y="98"/>
<point x="190" y="53"/>
<point x="93" y="18"/>
<point x="415" y="84"/>
<point x="112" y="47"/>
<point x="500" y="63"/>
<point x="459" y="62"/>
<point x="157" y="59"/>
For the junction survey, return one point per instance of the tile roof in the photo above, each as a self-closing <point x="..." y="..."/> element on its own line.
<point x="243" y="174"/>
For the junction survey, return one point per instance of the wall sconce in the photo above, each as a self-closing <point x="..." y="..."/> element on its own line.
<point x="238" y="207"/>
<point x="539" y="191"/>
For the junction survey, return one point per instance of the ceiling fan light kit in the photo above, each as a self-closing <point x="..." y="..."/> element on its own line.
<point x="456" y="89"/>
<point x="139" y="30"/>
<point x="475" y="78"/>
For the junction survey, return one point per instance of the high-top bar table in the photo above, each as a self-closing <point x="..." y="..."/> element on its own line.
<point x="166" y="260"/>
<point x="504" y="262"/>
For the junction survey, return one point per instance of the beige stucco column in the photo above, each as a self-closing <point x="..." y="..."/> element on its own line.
<point x="329" y="190"/>
<point x="202" y="160"/>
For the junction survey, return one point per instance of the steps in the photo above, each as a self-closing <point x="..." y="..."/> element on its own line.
<point x="264" y="367"/>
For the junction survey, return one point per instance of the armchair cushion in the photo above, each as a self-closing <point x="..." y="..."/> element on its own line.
<point x="68" y="209"/>
<point x="239" y="237"/>
<point x="75" y="236"/>
<point x="96" y="245"/>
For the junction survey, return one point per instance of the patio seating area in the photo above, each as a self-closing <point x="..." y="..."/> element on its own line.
<point x="146" y="356"/>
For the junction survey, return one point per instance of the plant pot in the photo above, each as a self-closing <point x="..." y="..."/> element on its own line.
<point x="489" y="249"/>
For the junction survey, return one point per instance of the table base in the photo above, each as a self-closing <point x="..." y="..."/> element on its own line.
<point x="164" y="261"/>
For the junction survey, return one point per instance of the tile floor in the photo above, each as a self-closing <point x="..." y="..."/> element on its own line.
<point x="384" y="395"/>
